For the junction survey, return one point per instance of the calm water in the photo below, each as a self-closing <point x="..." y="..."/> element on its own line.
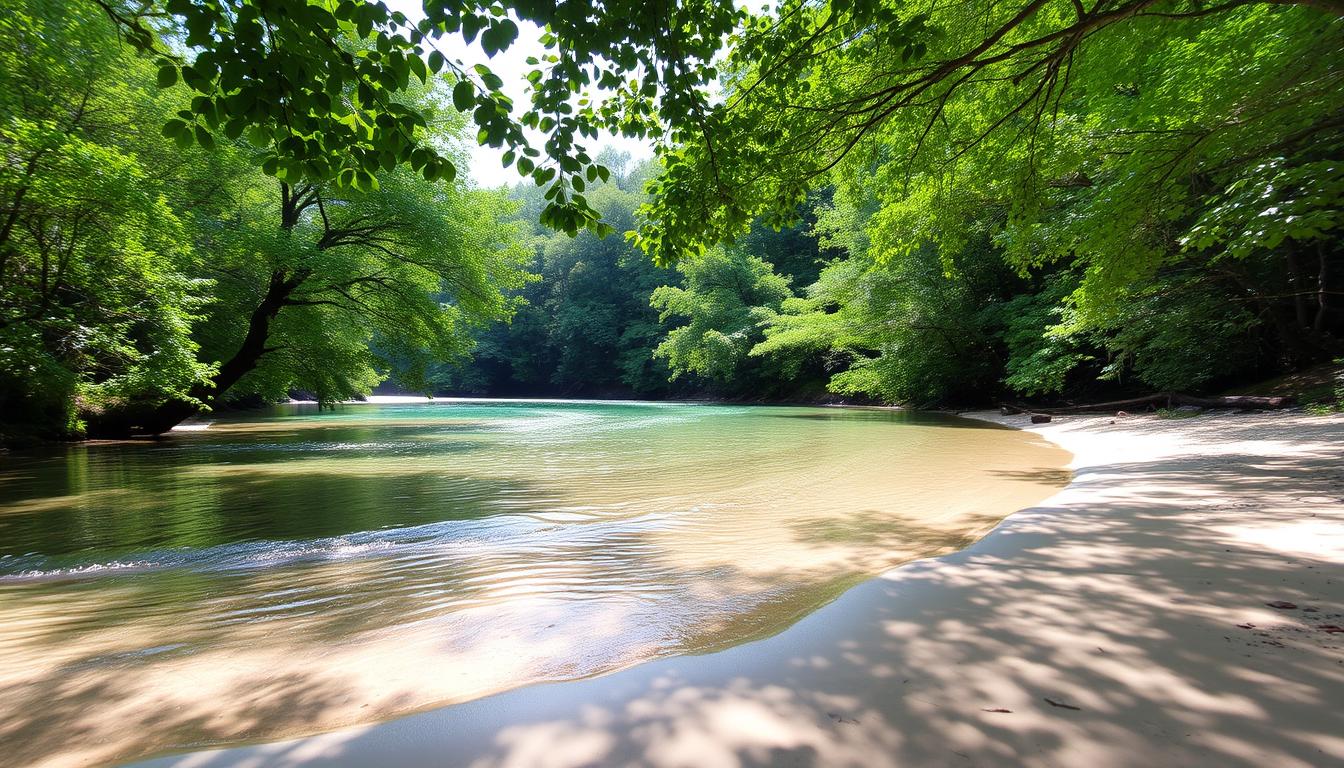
<point x="289" y="572"/>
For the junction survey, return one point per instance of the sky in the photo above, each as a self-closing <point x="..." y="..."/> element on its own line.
<point x="486" y="166"/>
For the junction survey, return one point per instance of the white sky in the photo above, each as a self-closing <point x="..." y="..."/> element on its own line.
<point x="486" y="168"/>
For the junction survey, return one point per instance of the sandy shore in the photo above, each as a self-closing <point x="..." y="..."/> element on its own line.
<point x="1124" y="622"/>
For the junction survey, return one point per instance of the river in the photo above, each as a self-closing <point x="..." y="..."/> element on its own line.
<point x="278" y="573"/>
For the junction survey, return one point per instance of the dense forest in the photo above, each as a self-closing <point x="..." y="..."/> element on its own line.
<point x="920" y="203"/>
<point x="600" y="318"/>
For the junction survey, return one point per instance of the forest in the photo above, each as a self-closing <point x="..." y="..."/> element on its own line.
<point x="209" y="204"/>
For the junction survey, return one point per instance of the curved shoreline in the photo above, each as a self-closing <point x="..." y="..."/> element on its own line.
<point x="1121" y="622"/>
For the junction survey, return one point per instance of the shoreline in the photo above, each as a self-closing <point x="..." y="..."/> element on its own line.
<point x="1123" y="621"/>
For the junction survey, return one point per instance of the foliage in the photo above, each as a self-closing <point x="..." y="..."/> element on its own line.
<point x="816" y="86"/>
<point x="372" y="282"/>
<point x="922" y="202"/>
<point x="277" y="73"/>
<point x="903" y="331"/>
<point x="97" y="290"/>
<point x="1336" y="402"/>
<point x="1181" y="334"/>
<point x="142" y="280"/>
<point x="727" y="298"/>
<point x="585" y="325"/>
<point x="1176" y="165"/>
<point x="1041" y="355"/>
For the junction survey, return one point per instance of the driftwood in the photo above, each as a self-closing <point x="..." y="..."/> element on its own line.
<point x="1159" y="400"/>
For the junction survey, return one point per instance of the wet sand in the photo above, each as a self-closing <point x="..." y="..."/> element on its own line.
<point x="1175" y="605"/>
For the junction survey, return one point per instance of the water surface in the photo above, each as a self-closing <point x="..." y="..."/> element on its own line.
<point x="281" y="573"/>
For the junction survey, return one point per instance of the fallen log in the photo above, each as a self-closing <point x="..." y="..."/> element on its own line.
<point x="1160" y="400"/>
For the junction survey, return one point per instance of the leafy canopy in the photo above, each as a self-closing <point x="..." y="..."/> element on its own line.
<point x="1022" y="102"/>
<point x="278" y="73"/>
<point x="803" y="85"/>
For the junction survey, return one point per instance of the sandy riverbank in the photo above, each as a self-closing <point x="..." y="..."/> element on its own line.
<point x="1122" y="622"/>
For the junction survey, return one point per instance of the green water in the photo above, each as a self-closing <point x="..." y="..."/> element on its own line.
<point x="390" y="556"/>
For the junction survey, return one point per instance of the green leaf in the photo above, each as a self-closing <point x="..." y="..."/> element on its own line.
<point x="173" y="127"/>
<point x="418" y="68"/>
<point x="464" y="95"/>
<point x="499" y="36"/>
<point x="490" y="79"/>
<point x="471" y="26"/>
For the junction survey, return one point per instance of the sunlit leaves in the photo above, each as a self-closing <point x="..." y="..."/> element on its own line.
<point x="328" y="73"/>
<point x="1273" y="202"/>
<point x="727" y="298"/>
<point x="96" y="297"/>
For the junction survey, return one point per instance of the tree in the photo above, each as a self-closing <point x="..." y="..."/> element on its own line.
<point x="324" y="288"/>
<point x="804" y="86"/>
<point x="97" y="290"/>
<point x="1177" y="165"/>
<point x="277" y="73"/>
<point x="1174" y="165"/>
<point x="143" y="279"/>
<point x="728" y="296"/>
<point x="945" y="90"/>
<point x="585" y="326"/>
<point x="920" y="329"/>
<point x="588" y="328"/>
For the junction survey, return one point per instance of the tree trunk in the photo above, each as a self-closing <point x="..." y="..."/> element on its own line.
<point x="258" y="330"/>
<point x="1299" y="290"/>
<point x="1321" y="293"/>
<point x="282" y="284"/>
<point x="249" y="354"/>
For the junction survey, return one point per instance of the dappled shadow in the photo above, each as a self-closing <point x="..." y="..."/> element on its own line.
<point x="1051" y="476"/>
<point x="869" y="536"/>
<point x="71" y="710"/>
<point x="1124" y="623"/>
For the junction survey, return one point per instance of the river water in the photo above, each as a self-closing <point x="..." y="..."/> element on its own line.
<point x="281" y="573"/>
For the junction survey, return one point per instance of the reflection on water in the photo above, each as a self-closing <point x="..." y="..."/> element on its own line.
<point x="299" y="571"/>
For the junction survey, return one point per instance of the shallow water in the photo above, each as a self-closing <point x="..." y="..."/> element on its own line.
<point x="294" y="571"/>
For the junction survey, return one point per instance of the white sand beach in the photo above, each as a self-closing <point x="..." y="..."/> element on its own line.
<point x="1127" y="621"/>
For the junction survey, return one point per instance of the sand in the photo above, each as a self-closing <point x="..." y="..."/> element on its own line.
<point x="1124" y="622"/>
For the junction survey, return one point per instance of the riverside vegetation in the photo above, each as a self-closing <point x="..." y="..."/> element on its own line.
<point x="926" y="203"/>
